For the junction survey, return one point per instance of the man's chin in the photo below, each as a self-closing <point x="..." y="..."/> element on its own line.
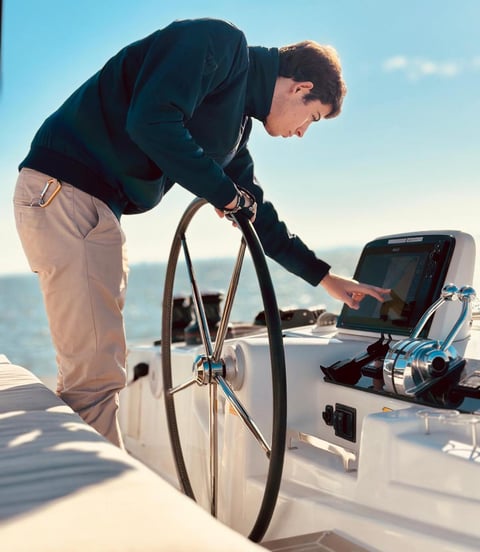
<point x="270" y="130"/>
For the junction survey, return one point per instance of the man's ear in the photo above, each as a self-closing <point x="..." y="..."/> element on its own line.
<point x="304" y="86"/>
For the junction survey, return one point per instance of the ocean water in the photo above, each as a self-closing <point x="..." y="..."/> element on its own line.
<point x="24" y="333"/>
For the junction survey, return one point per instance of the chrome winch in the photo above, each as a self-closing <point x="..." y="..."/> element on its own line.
<point x="414" y="365"/>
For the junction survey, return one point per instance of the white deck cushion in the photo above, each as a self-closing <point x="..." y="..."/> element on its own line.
<point x="65" y="488"/>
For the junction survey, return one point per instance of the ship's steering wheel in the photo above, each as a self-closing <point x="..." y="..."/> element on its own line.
<point x="210" y="370"/>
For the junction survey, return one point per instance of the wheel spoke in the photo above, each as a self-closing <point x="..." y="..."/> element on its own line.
<point x="227" y="309"/>
<point x="197" y="301"/>
<point x="240" y="410"/>
<point x="182" y="386"/>
<point x="213" y="431"/>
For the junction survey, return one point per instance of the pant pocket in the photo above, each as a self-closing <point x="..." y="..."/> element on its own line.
<point x="84" y="212"/>
<point x="27" y="192"/>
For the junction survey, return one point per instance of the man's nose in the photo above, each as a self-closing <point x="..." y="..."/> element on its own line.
<point x="301" y="130"/>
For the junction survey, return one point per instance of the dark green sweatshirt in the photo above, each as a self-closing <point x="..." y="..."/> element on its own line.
<point x="175" y="106"/>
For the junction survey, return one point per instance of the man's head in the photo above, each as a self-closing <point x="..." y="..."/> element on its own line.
<point x="309" y="88"/>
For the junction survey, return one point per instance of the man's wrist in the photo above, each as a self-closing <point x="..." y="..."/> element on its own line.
<point x="325" y="279"/>
<point x="232" y="203"/>
<point x="243" y="200"/>
<point x="244" y="203"/>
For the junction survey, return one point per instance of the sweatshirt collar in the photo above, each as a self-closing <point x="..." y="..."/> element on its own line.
<point x="262" y="76"/>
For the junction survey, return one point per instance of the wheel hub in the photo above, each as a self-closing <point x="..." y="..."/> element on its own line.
<point x="205" y="369"/>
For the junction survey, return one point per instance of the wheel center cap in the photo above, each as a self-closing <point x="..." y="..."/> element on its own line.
<point x="205" y="369"/>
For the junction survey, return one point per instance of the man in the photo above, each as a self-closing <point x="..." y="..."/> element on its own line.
<point x="175" y="107"/>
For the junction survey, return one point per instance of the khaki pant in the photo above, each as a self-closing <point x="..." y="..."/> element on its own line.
<point x="77" y="247"/>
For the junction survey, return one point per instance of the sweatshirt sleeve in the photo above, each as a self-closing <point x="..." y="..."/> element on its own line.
<point x="186" y="62"/>
<point x="278" y="243"/>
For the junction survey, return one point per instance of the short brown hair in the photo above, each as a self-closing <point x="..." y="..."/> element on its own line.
<point x="310" y="61"/>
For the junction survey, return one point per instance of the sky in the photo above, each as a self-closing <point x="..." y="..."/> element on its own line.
<point x="404" y="155"/>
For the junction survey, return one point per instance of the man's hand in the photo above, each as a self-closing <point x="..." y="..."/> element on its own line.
<point x="244" y="202"/>
<point x="350" y="291"/>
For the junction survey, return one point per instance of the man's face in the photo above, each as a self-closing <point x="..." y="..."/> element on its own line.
<point x="289" y="114"/>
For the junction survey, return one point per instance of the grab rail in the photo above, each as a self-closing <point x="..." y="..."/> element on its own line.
<point x="348" y="457"/>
